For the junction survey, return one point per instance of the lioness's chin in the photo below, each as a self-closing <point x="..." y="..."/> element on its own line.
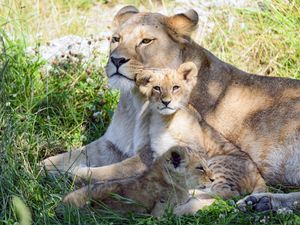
<point x="121" y="83"/>
<point x="166" y="111"/>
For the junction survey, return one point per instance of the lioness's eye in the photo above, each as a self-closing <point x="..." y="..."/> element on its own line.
<point x="146" y="41"/>
<point x="156" y="88"/>
<point x="115" y="39"/>
<point x="176" y="87"/>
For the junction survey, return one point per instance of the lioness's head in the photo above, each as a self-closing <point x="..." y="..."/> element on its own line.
<point x="168" y="90"/>
<point x="146" y="40"/>
<point x="188" y="167"/>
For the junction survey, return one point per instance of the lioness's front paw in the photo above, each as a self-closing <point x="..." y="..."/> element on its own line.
<point x="48" y="167"/>
<point x="54" y="166"/>
<point x="75" y="199"/>
<point x="257" y="202"/>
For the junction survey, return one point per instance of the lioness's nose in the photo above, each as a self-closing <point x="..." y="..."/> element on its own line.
<point x="166" y="103"/>
<point x="118" y="61"/>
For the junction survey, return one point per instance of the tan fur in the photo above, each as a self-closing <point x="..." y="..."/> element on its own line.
<point x="214" y="89"/>
<point x="250" y="111"/>
<point x="233" y="170"/>
<point x="166" y="184"/>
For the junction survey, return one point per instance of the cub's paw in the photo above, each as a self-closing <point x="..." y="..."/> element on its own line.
<point x="192" y="206"/>
<point x="257" y="202"/>
<point x="188" y="208"/>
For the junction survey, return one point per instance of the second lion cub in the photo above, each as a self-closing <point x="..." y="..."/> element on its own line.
<point x="166" y="184"/>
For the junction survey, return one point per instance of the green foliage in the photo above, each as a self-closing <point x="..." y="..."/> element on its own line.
<point x="263" y="41"/>
<point x="22" y="211"/>
<point x="42" y="115"/>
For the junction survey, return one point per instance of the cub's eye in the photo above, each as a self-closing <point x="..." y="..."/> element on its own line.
<point x="146" y="41"/>
<point x="115" y="39"/>
<point x="176" y="87"/>
<point x="156" y="88"/>
<point x="200" y="168"/>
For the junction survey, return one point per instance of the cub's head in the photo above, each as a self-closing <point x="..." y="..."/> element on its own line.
<point x="188" y="167"/>
<point x="168" y="90"/>
<point x="146" y="40"/>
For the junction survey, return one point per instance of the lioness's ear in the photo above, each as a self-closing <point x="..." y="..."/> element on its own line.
<point x="188" y="71"/>
<point x="124" y="14"/>
<point x="183" y="23"/>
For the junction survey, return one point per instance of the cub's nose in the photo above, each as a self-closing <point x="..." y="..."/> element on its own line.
<point x="118" y="61"/>
<point x="166" y="103"/>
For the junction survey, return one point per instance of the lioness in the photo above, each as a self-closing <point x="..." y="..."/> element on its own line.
<point x="166" y="184"/>
<point x="261" y="115"/>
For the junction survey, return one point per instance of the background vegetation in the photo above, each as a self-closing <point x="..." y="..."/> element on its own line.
<point x="44" y="114"/>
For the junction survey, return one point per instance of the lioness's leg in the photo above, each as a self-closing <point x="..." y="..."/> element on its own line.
<point x="98" y="153"/>
<point x="270" y="201"/>
<point x="127" y="168"/>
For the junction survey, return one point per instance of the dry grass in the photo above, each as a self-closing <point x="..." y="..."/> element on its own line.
<point x="42" y="20"/>
<point x="262" y="41"/>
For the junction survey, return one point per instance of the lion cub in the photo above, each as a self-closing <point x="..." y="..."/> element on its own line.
<point x="174" y="122"/>
<point x="166" y="184"/>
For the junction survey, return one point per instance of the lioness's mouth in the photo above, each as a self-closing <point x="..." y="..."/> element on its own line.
<point x="121" y="75"/>
<point x="163" y="108"/>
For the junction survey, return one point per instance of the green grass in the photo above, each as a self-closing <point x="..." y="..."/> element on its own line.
<point x="262" y="42"/>
<point x="42" y="115"/>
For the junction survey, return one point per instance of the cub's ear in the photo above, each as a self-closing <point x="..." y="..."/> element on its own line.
<point x="183" y="23"/>
<point x="142" y="82"/>
<point x="188" y="72"/>
<point x="142" y="79"/>
<point x="176" y="157"/>
<point x="124" y="14"/>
